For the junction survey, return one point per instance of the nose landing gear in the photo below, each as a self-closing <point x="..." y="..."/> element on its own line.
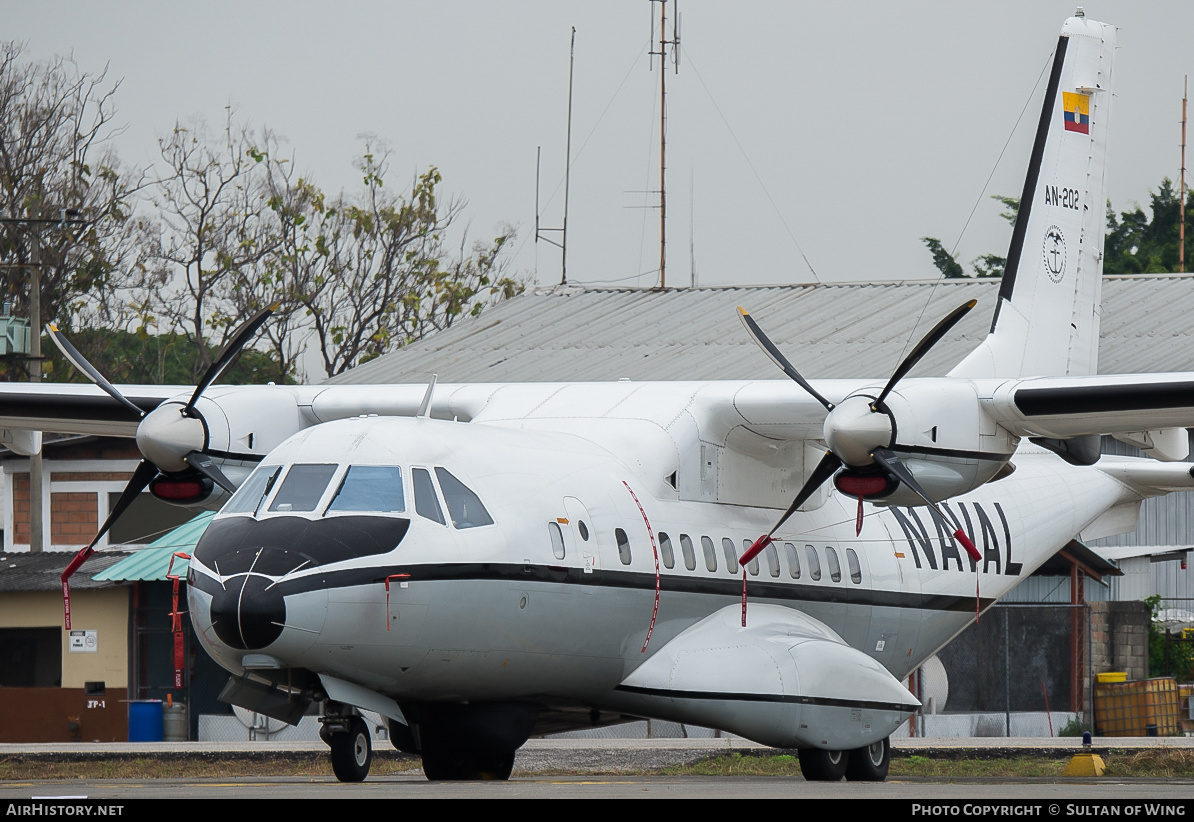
<point x="352" y="748"/>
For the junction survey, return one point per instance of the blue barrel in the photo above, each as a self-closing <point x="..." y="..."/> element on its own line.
<point x="145" y="720"/>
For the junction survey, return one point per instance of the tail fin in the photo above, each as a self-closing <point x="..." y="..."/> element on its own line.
<point x="1046" y="321"/>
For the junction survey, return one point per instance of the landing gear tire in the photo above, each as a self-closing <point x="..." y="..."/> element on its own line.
<point x="823" y="766"/>
<point x="352" y="752"/>
<point x="449" y="767"/>
<point x="869" y="764"/>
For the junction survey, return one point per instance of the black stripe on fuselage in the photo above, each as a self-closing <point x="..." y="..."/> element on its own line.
<point x="1008" y="284"/>
<point x="794" y="592"/>
<point x="1095" y="399"/>
<point x="791" y="699"/>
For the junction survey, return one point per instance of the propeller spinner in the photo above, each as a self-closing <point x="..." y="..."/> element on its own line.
<point x="172" y="438"/>
<point x="859" y="432"/>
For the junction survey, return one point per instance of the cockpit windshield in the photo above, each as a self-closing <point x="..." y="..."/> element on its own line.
<point x="464" y="506"/>
<point x="302" y="488"/>
<point x="370" y="488"/>
<point x="248" y="497"/>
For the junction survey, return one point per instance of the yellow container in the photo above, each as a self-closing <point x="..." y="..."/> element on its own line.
<point x="1113" y="676"/>
<point x="1137" y="708"/>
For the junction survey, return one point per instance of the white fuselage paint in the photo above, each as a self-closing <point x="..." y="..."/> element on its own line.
<point x="490" y="613"/>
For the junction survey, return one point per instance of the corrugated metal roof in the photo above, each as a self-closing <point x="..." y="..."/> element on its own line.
<point x="153" y="561"/>
<point x="43" y="571"/>
<point x="839" y="330"/>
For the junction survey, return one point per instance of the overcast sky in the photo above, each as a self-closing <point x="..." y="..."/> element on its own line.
<point x="847" y="130"/>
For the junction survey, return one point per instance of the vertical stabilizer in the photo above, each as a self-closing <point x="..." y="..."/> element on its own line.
<point x="1046" y="320"/>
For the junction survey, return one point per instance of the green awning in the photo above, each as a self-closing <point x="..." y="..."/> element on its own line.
<point x="152" y="561"/>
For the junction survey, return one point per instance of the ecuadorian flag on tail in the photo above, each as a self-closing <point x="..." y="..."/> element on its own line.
<point x="1077" y="111"/>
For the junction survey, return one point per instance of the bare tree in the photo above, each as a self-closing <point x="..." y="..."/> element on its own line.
<point x="56" y="134"/>
<point x="371" y="272"/>
<point x="216" y="229"/>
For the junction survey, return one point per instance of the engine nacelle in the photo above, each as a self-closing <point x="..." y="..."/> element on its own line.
<point x="940" y="432"/>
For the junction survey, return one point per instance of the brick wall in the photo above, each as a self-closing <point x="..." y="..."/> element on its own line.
<point x="1119" y="638"/>
<point x="20" y="509"/>
<point x="74" y="517"/>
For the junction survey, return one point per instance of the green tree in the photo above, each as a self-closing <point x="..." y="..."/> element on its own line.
<point x="1137" y="243"/>
<point x="984" y="266"/>
<point x="139" y="358"/>
<point x="1167" y="656"/>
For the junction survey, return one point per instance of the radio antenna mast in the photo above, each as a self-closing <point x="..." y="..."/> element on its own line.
<point x="1181" y="232"/>
<point x="662" y="53"/>
<point x="563" y="241"/>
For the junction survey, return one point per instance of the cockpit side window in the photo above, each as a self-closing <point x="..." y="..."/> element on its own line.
<point x="302" y="488"/>
<point x="426" y="504"/>
<point x="248" y="497"/>
<point x="370" y="488"/>
<point x="464" y="506"/>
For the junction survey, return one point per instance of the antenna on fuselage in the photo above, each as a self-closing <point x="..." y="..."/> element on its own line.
<point x="425" y="405"/>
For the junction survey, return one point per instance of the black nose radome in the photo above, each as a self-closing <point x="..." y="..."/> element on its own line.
<point x="247" y="614"/>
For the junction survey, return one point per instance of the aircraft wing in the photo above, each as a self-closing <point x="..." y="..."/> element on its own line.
<point x="77" y="409"/>
<point x="1065" y="407"/>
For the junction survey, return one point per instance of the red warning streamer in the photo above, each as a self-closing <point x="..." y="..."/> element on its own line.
<point x="79" y="559"/>
<point x="176" y="620"/>
<point x="655" y="550"/>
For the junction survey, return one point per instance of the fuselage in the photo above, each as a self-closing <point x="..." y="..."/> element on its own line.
<point x="515" y="564"/>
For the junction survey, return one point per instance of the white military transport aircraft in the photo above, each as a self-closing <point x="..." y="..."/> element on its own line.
<point x="480" y="563"/>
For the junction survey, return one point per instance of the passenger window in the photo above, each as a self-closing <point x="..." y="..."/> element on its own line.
<point x="772" y="560"/>
<point x="370" y="488"/>
<point x="753" y="565"/>
<point x="623" y="545"/>
<point x="727" y="548"/>
<point x="710" y="556"/>
<point x="855" y="568"/>
<point x="426" y="504"/>
<point x="303" y="487"/>
<point x="793" y="560"/>
<point x="835" y="568"/>
<point x="248" y="497"/>
<point x="689" y="553"/>
<point x="464" y="506"/>
<point x="665" y="551"/>
<point x="814" y="563"/>
<point x="557" y="539"/>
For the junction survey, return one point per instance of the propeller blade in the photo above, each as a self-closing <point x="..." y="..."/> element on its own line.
<point x="145" y="472"/>
<point x="932" y="338"/>
<point x="229" y="352"/>
<point x="824" y="470"/>
<point x="889" y="462"/>
<point x="204" y="465"/>
<point x="80" y="362"/>
<point x="761" y="340"/>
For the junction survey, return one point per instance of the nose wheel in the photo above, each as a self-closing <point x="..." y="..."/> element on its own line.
<point x="352" y="751"/>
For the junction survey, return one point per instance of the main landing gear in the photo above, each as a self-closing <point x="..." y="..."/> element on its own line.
<point x="457" y="765"/>
<point x="869" y="764"/>
<point x="352" y="748"/>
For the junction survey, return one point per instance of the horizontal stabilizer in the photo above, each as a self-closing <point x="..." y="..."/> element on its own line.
<point x="1064" y="407"/>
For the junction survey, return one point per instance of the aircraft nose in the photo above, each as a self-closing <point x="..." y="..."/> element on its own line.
<point x="248" y="613"/>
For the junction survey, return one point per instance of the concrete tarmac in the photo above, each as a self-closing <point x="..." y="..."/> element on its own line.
<point x="596" y="768"/>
